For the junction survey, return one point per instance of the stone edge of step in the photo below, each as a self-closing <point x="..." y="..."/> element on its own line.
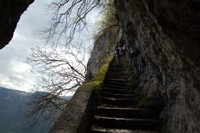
<point x="111" y="130"/>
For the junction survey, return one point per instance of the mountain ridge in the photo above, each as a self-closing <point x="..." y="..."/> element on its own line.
<point x="13" y="110"/>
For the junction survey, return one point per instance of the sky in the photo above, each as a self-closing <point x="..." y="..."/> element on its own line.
<point x="15" y="73"/>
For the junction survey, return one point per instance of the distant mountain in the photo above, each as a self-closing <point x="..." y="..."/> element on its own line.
<point x="12" y="113"/>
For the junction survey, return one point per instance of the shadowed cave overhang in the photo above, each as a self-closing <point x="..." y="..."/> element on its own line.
<point x="10" y="13"/>
<point x="179" y="21"/>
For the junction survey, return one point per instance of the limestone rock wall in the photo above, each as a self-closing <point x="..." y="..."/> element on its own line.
<point x="10" y="12"/>
<point x="162" y="40"/>
<point x="104" y="46"/>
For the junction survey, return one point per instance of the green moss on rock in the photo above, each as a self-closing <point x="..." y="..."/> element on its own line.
<point x="100" y="75"/>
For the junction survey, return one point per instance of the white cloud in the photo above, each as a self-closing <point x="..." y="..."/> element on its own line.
<point x="20" y="67"/>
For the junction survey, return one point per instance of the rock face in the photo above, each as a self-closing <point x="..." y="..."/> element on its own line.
<point x="104" y="47"/>
<point x="162" y="40"/>
<point x="10" y="12"/>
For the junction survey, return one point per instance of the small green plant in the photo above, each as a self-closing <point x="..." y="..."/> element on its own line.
<point x="108" y="18"/>
<point x="145" y="102"/>
<point x="108" y="15"/>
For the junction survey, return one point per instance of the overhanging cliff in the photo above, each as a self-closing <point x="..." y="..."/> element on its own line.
<point x="162" y="39"/>
<point x="10" y="13"/>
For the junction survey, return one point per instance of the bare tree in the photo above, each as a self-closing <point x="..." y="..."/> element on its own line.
<point x="61" y="71"/>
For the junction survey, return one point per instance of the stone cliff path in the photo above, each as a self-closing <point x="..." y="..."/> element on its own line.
<point x="116" y="113"/>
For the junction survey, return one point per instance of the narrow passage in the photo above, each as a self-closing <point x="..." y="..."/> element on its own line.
<point x="116" y="112"/>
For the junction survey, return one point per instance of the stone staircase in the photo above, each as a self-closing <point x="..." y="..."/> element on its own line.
<point x="116" y="113"/>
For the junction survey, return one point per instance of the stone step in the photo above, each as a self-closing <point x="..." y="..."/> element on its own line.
<point x="116" y="91"/>
<point x="117" y="71"/>
<point x="117" y="77"/>
<point x="121" y="80"/>
<point x="125" y="112"/>
<point x="96" y="129"/>
<point x="117" y="114"/>
<point x="117" y="66"/>
<point x="114" y="95"/>
<point x="124" y="102"/>
<point x="116" y="86"/>
<point x="127" y="123"/>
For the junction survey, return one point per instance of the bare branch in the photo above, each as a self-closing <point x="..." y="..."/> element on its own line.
<point x="61" y="72"/>
<point x="69" y="18"/>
